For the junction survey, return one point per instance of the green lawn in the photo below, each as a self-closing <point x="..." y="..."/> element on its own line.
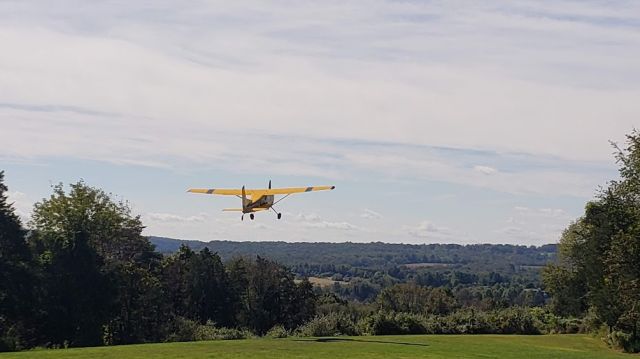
<point x="409" y="346"/>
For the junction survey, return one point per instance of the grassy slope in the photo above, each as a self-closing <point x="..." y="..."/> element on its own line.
<point x="414" y="346"/>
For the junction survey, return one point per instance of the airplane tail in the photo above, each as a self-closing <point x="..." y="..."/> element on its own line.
<point x="241" y="210"/>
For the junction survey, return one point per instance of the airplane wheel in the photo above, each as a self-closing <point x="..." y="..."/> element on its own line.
<point x="279" y="215"/>
<point x="251" y="216"/>
<point x="242" y="217"/>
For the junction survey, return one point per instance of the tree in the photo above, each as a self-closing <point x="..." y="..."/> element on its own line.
<point x="16" y="277"/>
<point x="198" y="286"/>
<point x="412" y="298"/>
<point x="270" y="295"/>
<point x="97" y="269"/>
<point x="599" y="255"/>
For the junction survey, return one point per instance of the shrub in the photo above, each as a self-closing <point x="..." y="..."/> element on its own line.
<point x="383" y="323"/>
<point x="277" y="331"/>
<point x="515" y="321"/>
<point x="184" y="330"/>
<point x="320" y="326"/>
<point x="329" y="325"/>
<point x="210" y="332"/>
<point x="625" y="341"/>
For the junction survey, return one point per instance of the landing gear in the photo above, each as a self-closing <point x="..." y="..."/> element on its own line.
<point x="242" y="218"/>
<point x="277" y="213"/>
<point x="251" y="216"/>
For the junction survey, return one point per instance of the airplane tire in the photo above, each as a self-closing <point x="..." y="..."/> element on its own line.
<point x="279" y="215"/>
<point x="251" y="216"/>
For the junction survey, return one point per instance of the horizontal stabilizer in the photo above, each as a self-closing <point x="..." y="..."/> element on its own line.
<point x="240" y="209"/>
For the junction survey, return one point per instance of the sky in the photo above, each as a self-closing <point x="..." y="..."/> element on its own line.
<point x="437" y="121"/>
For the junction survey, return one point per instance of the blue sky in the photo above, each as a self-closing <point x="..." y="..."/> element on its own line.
<point x="438" y="121"/>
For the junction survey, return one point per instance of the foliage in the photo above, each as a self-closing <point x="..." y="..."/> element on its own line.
<point x="328" y="325"/>
<point x="278" y="331"/>
<point x="16" y="279"/>
<point x="412" y="298"/>
<point x="97" y="270"/>
<point x="210" y="332"/>
<point x="599" y="256"/>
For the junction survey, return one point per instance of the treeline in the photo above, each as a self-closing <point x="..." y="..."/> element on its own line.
<point x="84" y="275"/>
<point x="322" y="259"/>
<point x="413" y="309"/>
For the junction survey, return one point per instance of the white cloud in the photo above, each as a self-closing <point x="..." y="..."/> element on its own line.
<point x="427" y="231"/>
<point x="485" y="169"/>
<point x="22" y="205"/>
<point x="425" y="228"/>
<point x="178" y="78"/>
<point x="534" y="225"/>
<point x="343" y="226"/>
<point x="425" y="163"/>
<point x="308" y="217"/>
<point x="170" y="217"/>
<point x="313" y="220"/>
<point x="370" y="214"/>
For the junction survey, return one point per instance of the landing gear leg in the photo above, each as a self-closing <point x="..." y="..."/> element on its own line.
<point x="251" y="216"/>
<point x="277" y="213"/>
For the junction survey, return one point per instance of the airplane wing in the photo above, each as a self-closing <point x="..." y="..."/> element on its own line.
<point x="220" y="191"/>
<point x="260" y="192"/>
<point x="296" y="190"/>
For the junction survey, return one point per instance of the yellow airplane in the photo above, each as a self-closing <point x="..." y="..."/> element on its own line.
<point x="256" y="200"/>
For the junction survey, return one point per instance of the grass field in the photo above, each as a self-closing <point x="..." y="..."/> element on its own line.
<point x="414" y="346"/>
<point x="324" y="282"/>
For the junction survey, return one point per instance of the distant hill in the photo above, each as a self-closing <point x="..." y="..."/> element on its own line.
<point x="375" y="254"/>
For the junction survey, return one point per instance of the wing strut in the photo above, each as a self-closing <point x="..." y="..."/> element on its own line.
<point x="281" y="199"/>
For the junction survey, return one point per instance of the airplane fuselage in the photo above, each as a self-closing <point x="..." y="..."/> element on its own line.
<point x="262" y="202"/>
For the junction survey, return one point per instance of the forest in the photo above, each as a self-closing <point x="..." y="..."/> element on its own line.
<point x="80" y="273"/>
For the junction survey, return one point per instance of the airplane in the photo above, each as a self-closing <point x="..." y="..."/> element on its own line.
<point x="257" y="200"/>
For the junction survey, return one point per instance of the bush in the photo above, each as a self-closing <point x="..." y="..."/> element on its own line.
<point x="516" y="321"/>
<point x="210" y="332"/>
<point x="186" y="330"/>
<point x="277" y="331"/>
<point x="624" y="341"/>
<point x="320" y="326"/>
<point x="383" y="323"/>
<point x="328" y="325"/>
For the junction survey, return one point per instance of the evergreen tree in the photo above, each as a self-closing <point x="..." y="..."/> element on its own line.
<point x="16" y="278"/>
